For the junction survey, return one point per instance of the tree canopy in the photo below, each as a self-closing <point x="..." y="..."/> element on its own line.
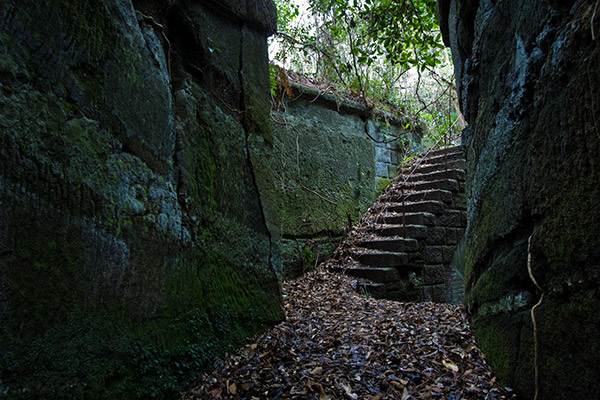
<point x="374" y="48"/>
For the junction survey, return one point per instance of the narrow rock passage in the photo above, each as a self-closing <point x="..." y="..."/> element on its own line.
<point x="338" y="344"/>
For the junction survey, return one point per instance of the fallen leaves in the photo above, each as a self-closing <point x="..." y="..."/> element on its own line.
<point x="336" y="344"/>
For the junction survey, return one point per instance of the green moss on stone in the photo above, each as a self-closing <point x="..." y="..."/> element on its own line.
<point x="494" y="339"/>
<point x="381" y="183"/>
<point x="574" y="317"/>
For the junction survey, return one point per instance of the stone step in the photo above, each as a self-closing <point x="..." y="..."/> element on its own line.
<point x="431" y="206"/>
<point x="408" y="231"/>
<point x="456" y="174"/>
<point x="422" y="218"/>
<point x="379" y="275"/>
<point x="374" y="290"/>
<point x="392" y="244"/>
<point x="408" y="218"/>
<point x="379" y="259"/>
<point x="446" y="150"/>
<point x="443" y="158"/>
<point x="443" y="184"/>
<point x="442" y="166"/>
<point x="456" y="218"/>
<point x="434" y="194"/>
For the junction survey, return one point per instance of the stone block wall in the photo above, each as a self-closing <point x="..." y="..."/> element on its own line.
<point x="388" y="150"/>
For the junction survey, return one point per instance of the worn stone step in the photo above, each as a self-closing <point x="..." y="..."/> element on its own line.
<point x="437" y="159"/>
<point x="375" y="274"/>
<point x="456" y="174"/>
<point x="446" y="150"/>
<point x="451" y="185"/>
<point x="434" y="167"/>
<point x="391" y="243"/>
<point x="431" y="206"/>
<point x="374" y="290"/>
<point x="408" y="218"/>
<point x="422" y="218"/>
<point x="379" y="259"/>
<point x="408" y="231"/>
<point x="434" y="194"/>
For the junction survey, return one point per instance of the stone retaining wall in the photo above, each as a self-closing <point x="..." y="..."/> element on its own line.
<point x="329" y="162"/>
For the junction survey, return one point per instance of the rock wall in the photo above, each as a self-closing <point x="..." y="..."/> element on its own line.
<point x="529" y="84"/>
<point x="134" y="241"/>
<point x="329" y="162"/>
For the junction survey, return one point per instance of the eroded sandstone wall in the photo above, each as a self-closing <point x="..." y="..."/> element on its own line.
<point x="529" y="86"/>
<point x="134" y="241"/>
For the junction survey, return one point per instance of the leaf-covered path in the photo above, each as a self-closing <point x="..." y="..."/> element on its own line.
<point x="337" y="344"/>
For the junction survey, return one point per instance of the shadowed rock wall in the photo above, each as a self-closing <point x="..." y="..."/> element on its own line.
<point x="529" y="86"/>
<point x="134" y="241"/>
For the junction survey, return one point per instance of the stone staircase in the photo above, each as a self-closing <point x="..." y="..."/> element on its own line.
<point x="403" y="246"/>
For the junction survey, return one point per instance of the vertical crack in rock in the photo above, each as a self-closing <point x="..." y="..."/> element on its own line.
<point x="244" y="109"/>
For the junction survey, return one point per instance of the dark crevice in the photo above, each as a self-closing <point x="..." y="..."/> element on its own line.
<point x="514" y="241"/>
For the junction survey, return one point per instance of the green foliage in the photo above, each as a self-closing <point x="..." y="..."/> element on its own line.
<point x="309" y="258"/>
<point x="381" y="183"/>
<point x="404" y="32"/>
<point x="387" y="53"/>
<point x="407" y="30"/>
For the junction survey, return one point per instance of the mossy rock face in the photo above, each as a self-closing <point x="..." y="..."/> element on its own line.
<point x="529" y="90"/>
<point x="135" y="244"/>
<point x="323" y="165"/>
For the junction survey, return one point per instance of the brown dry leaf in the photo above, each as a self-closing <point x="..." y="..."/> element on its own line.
<point x="333" y="334"/>
<point x="405" y="395"/>
<point x="231" y="388"/>
<point x="348" y="391"/>
<point x="216" y="393"/>
<point x="316" y="371"/>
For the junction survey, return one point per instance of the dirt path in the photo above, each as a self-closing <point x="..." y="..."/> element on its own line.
<point x="337" y="344"/>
